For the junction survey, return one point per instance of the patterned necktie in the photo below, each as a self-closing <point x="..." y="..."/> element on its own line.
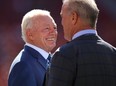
<point x="48" y="60"/>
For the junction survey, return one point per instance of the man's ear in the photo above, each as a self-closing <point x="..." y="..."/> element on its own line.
<point x="74" y="18"/>
<point x="29" y="34"/>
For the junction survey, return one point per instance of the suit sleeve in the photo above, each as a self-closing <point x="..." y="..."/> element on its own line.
<point x="21" y="75"/>
<point x="61" y="72"/>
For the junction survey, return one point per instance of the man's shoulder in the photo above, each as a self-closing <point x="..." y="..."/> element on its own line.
<point x="68" y="49"/>
<point x="16" y="60"/>
<point x="70" y="45"/>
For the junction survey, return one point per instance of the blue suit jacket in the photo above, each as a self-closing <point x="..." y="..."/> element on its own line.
<point x="30" y="70"/>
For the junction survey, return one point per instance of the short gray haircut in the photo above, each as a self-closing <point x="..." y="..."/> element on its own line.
<point x="27" y="22"/>
<point x="86" y="9"/>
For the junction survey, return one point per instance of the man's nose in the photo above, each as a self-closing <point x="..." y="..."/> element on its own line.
<point x="52" y="30"/>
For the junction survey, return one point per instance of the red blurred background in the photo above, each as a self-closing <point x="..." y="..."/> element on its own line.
<point x="12" y="11"/>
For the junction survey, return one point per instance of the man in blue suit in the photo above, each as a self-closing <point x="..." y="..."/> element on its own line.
<point x="87" y="60"/>
<point x="39" y="32"/>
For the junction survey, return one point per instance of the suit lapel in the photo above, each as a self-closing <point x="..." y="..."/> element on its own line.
<point x="41" y="60"/>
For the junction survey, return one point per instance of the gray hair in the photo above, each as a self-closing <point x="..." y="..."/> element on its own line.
<point x="86" y="9"/>
<point x="27" y="21"/>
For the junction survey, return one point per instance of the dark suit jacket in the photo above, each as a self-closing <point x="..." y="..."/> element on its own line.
<point x="29" y="71"/>
<point x="85" y="61"/>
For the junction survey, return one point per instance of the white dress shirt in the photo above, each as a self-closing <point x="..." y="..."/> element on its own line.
<point x="41" y="51"/>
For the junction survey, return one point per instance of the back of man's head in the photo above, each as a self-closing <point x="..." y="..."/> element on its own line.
<point x="86" y="10"/>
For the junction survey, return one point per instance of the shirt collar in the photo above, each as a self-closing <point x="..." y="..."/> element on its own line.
<point x="80" y="33"/>
<point x="41" y="51"/>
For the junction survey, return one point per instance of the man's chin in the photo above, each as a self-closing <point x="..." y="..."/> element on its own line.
<point x="52" y="47"/>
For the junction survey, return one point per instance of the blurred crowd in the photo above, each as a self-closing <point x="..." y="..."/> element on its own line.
<point x="12" y="11"/>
